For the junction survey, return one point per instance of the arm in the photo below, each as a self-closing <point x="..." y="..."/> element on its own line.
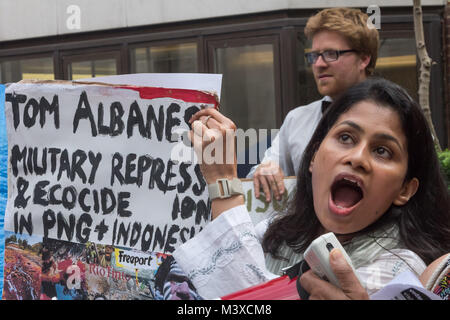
<point x="213" y="139"/>
<point x="435" y="272"/>
<point x="269" y="174"/>
<point x="272" y="154"/>
<point x="226" y="255"/>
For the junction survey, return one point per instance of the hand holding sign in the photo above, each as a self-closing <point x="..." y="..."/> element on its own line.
<point x="212" y="136"/>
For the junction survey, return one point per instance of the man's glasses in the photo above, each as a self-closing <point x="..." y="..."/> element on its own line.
<point x="327" y="55"/>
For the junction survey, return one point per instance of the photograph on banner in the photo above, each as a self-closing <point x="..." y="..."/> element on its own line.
<point x="44" y="269"/>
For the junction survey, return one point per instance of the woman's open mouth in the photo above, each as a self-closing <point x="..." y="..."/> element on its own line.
<point x="346" y="194"/>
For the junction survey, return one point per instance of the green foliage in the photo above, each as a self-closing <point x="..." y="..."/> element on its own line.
<point x="444" y="159"/>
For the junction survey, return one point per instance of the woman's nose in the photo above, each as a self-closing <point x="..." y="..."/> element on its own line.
<point x="359" y="158"/>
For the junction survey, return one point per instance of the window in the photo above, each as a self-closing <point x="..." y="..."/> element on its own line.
<point x="92" y="69"/>
<point x="397" y="62"/>
<point x="173" y="58"/>
<point x="250" y="90"/>
<point x="91" y="65"/>
<point x="27" y="68"/>
<point x="249" y="85"/>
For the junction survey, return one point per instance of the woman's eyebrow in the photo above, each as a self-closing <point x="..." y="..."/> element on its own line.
<point x="385" y="136"/>
<point x="351" y="124"/>
<point x="381" y="136"/>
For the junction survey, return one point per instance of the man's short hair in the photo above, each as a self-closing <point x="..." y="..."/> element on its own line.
<point x="353" y="25"/>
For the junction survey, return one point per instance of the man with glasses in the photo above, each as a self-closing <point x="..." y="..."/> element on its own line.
<point x="343" y="53"/>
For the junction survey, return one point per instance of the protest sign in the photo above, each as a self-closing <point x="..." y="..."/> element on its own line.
<point x="97" y="188"/>
<point x="102" y="189"/>
<point x="93" y="163"/>
<point x="258" y="208"/>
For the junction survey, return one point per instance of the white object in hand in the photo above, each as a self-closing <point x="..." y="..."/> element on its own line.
<point x="318" y="257"/>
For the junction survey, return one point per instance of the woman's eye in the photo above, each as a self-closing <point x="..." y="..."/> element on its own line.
<point x="345" y="138"/>
<point x="383" y="152"/>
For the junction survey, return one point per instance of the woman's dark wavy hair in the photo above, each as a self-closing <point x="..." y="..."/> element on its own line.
<point x="424" y="221"/>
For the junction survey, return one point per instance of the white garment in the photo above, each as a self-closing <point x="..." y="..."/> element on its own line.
<point x="297" y="129"/>
<point x="226" y="256"/>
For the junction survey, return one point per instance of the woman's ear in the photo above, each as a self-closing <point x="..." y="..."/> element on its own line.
<point x="312" y="162"/>
<point x="409" y="189"/>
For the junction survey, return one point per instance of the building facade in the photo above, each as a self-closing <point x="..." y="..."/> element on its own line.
<point x="258" y="46"/>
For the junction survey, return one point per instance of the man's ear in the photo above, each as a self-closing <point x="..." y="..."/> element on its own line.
<point x="365" y="60"/>
<point x="408" y="190"/>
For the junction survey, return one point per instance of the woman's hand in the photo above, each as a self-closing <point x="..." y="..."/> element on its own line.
<point x="213" y="138"/>
<point x="319" y="289"/>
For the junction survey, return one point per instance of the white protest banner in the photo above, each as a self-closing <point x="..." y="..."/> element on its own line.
<point x="194" y="81"/>
<point x="92" y="163"/>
